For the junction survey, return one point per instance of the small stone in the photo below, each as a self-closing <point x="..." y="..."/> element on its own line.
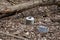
<point x="13" y="26"/>
<point x="43" y="29"/>
<point x="0" y="39"/>
<point x="47" y="20"/>
<point x="27" y="33"/>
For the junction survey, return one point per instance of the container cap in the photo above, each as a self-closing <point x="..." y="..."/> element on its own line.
<point x="30" y="18"/>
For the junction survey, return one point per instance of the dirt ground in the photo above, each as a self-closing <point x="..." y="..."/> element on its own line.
<point x="13" y="27"/>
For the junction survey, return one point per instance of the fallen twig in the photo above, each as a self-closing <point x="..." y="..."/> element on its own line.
<point x="22" y="6"/>
<point x="19" y="37"/>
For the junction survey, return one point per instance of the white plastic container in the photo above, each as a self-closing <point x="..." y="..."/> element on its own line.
<point x="30" y="20"/>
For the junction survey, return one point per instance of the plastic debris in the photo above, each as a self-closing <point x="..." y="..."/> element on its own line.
<point x="43" y="29"/>
<point x="30" y="20"/>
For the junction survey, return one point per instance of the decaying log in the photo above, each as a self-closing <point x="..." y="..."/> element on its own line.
<point x="22" y="6"/>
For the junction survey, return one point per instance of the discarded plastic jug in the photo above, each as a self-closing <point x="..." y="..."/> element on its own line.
<point x="29" y="20"/>
<point x="43" y="29"/>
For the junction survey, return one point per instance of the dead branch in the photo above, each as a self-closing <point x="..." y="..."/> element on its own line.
<point x="22" y="6"/>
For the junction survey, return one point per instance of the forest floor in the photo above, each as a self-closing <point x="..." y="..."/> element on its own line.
<point x="13" y="27"/>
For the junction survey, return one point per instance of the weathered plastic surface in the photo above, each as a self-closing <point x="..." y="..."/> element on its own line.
<point x="43" y="29"/>
<point x="29" y="20"/>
